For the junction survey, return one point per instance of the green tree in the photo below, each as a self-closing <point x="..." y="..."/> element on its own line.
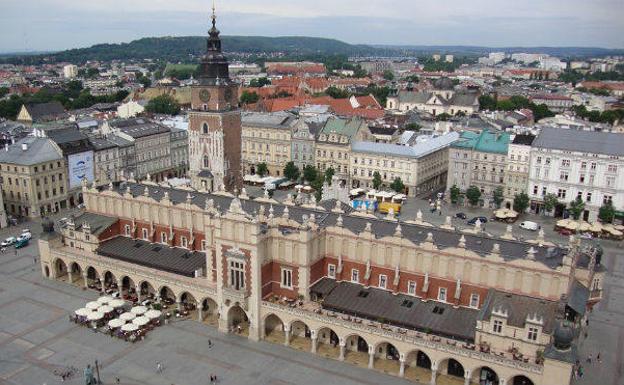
<point x="413" y="127"/>
<point x="249" y="97"/>
<point x="3" y="91"/>
<point x="376" y="180"/>
<point x="443" y="117"/>
<point x="455" y="191"/>
<point x="329" y="174"/>
<point x="606" y="213"/>
<point x="309" y="173"/>
<point x="497" y="196"/>
<point x="262" y="169"/>
<point x="397" y="185"/>
<point x="163" y="104"/>
<point x="576" y="208"/>
<point x="388" y="75"/>
<point x="473" y="194"/>
<point x="550" y="202"/>
<point x="145" y="81"/>
<point x="521" y="202"/>
<point x="337" y="93"/>
<point x="540" y="111"/>
<point x="487" y="103"/>
<point x="291" y="171"/>
<point x="260" y="82"/>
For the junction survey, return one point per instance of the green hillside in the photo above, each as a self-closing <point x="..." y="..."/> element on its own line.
<point x="176" y="49"/>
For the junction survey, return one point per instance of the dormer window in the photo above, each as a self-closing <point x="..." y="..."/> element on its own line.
<point x="532" y="334"/>
<point x="145" y="234"/>
<point x="183" y="242"/>
<point x="163" y="237"/>
<point x="497" y="326"/>
<point x="127" y="230"/>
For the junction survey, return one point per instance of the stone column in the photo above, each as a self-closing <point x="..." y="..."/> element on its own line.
<point x="314" y="343"/>
<point x="371" y="356"/>
<point x="86" y="280"/>
<point x="200" y="314"/>
<point x="467" y="377"/>
<point x="286" y="336"/>
<point x="103" y="286"/>
<point x="343" y="348"/>
<point x="402" y="368"/>
<point x="502" y="381"/>
<point x="70" y="275"/>
<point x="434" y="372"/>
<point x="179" y="305"/>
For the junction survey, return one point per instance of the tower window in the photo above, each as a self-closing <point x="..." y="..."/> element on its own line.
<point x="205" y="126"/>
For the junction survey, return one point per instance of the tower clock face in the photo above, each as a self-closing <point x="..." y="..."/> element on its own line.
<point x="204" y="95"/>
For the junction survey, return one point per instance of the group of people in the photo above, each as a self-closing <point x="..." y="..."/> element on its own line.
<point x="579" y="371"/>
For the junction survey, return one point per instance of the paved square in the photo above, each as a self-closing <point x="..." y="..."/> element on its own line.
<point x="36" y="339"/>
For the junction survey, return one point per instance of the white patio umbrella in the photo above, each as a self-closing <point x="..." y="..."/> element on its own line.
<point x="116" y="323"/>
<point x="105" y="309"/>
<point x="117" y="303"/>
<point x="129" y="328"/>
<point x="127" y="316"/>
<point x="105" y="299"/>
<point x="94" y="316"/>
<point x="140" y="321"/>
<point x="83" y="312"/>
<point x="93" y="305"/>
<point x="153" y="314"/>
<point x="138" y="310"/>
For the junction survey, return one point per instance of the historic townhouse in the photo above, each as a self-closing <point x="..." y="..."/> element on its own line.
<point x="571" y="164"/>
<point x="517" y="169"/>
<point x="415" y="300"/>
<point x="421" y="167"/>
<point x="479" y="160"/>
<point x="267" y="139"/>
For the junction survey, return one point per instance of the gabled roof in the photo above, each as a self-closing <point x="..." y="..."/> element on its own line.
<point x="38" y="150"/>
<point x="45" y="111"/>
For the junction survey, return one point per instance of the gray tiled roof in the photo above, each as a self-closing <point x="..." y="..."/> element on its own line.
<point x="518" y="308"/>
<point x="138" y="128"/>
<point x="401" y="310"/>
<point x="280" y="120"/>
<point x="482" y="245"/>
<point x="97" y="222"/>
<point x="162" y="257"/>
<point x="580" y="141"/>
<point x="415" y="151"/>
<point x="579" y="295"/>
<point x="39" y="150"/>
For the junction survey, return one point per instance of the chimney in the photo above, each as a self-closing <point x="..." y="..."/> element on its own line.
<point x="24" y="146"/>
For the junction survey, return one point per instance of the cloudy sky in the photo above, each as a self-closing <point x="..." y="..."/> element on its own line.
<point x="28" y="25"/>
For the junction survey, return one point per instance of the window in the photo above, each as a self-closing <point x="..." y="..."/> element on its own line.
<point x="497" y="326"/>
<point x="582" y="178"/>
<point x="411" y="288"/>
<point x="127" y="230"/>
<point x="610" y="181"/>
<point x="163" y="237"/>
<point x="442" y="294"/>
<point x="583" y="165"/>
<point x="355" y="275"/>
<point x="593" y="166"/>
<point x="561" y="193"/>
<point x="589" y="195"/>
<point x="331" y="270"/>
<point x="535" y="188"/>
<point x="564" y="176"/>
<point x="237" y="275"/>
<point x="183" y="242"/>
<point x="287" y="278"/>
<point x="145" y="235"/>
<point x="383" y="280"/>
<point x="607" y="199"/>
<point x="532" y="334"/>
<point x="204" y="245"/>
<point x="612" y="168"/>
<point x="474" y="300"/>
<point x="565" y="162"/>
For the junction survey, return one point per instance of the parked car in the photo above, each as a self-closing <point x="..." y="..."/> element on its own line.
<point x="474" y="220"/>
<point x="528" y="225"/>
<point x="461" y="216"/>
<point x="8" y="242"/>
<point x="27" y="236"/>
<point x="21" y="243"/>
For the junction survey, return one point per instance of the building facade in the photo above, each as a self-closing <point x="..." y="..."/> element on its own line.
<point x="517" y="169"/>
<point x="215" y="123"/>
<point x="333" y="145"/>
<point x="428" y="300"/>
<point x="479" y="160"/>
<point x="179" y="152"/>
<point x="571" y="164"/>
<point x="303" y="142"/>
<point x="267" y="139"/>
<point x="105" y="160"/>
<point x="421" y="167"/>
<point x="33" y="178"/>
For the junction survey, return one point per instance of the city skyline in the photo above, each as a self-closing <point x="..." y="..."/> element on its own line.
<point x="61" y="24"/>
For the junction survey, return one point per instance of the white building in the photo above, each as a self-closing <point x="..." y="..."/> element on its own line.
<point x="130" y="109"/>
<point x="571" y="164"/>
<point x="70" y="71"/>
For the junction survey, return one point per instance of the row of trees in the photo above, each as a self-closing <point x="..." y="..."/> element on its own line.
<point x="490" y="103"/>
<point x="521" y="202"/>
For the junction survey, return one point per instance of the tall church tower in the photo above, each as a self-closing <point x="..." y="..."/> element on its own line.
<point x="215" y="122"/>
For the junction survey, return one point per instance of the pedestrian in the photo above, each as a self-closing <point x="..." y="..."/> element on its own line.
<point x="215" y="378"/>
<point x="159" y="368"/>
<point x="34" y="260"/>
<point x="598" y="358"/>
<point x="209" y="343"/>
<point x="589" y="358"/>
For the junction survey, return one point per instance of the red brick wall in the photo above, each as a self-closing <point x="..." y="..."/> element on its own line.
<point x="272" y="278"/>
<point x="319" y="269"/>
<point x="111" y="232"/>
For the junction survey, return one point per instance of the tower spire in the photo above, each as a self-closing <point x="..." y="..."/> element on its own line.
<point x="214" y="14"/>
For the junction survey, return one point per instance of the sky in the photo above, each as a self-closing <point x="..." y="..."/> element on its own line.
<point x="48" y="25"/>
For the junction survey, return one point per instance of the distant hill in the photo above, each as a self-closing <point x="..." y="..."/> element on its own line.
<point x="181" y="48"/>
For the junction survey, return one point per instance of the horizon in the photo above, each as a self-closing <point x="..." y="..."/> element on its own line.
<point x="57" y="25"/>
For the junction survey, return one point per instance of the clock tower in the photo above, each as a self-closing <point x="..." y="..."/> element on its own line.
<point x="215" y="122"/>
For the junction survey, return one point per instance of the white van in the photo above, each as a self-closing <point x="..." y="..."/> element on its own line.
<point x="528" y="225"/>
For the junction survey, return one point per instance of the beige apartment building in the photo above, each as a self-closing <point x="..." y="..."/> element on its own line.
<point x="420" y="167"/>
<point x="267" y="139"/>
<point x="417" y="301"/>
<point x="333" y="145"/>
<point x="33" y="177"/>
<point x="517" y="169"/>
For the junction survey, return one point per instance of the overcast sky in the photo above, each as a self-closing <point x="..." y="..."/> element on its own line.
<point x="27" y="25"/>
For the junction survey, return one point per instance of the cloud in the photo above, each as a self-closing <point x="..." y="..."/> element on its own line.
<point x="60" y="24"/>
